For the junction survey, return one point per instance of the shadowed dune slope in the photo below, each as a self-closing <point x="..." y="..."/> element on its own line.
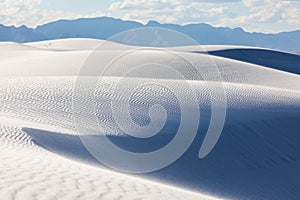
<point x="268" y="58"/>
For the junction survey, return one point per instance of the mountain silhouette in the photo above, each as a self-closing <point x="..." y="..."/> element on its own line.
<point x="106" y="27"/>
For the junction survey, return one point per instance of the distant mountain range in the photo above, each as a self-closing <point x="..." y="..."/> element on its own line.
<point x="105" y="27"/>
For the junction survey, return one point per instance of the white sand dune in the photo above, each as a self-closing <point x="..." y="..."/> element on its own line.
<point x="42" y="156"/>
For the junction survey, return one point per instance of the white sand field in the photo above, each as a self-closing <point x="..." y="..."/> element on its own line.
<point x="42" y="157"/>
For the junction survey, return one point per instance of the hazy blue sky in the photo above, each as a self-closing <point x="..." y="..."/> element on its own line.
<point x="252" y="15"/>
